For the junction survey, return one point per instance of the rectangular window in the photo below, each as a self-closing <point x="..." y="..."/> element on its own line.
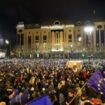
<point x="78" y="37"/>
<point x="22" y="39"/>
<point x="102" y="37"/>
<point x="44" y="38"/>
<point x="87" y="40"/>
<point x="29" y="41"/>
<point x="97" y="38"/>
<point x="18" y="39"/>
<point x="37" y="39"/>
<point x="70" y="38"/>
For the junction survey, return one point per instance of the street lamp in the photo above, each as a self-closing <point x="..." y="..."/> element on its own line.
<point x="7" y="43"/>
<point x="83" y="56"/>
<point x="79" y="42"/>
<point x="71" y="46"/>
<point x="79" y="39"/>
<point x="88" y="29"/>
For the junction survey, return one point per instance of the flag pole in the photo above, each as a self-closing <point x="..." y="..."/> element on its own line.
<point x="77" y="94"/>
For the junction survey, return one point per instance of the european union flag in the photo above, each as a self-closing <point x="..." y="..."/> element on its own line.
<point x="97" y="82"/>
<point x="42" y="100"/>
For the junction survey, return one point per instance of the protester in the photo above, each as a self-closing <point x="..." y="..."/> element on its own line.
<point x="22" y="80"/>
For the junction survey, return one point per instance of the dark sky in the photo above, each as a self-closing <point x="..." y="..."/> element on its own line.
<point x="37" y="11"/>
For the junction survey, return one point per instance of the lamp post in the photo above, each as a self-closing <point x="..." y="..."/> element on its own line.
<point x="83" y="57"/>
<point x="7" y="43"/>
<point x="79" y="43"/>
<point x="88" y="30"/>
<point x="36" y="48"/>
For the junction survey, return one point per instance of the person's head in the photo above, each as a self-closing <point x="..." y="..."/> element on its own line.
<point x="2" y="103"/>
<point x="71" y="93"/>
<point x="83" y="96"/>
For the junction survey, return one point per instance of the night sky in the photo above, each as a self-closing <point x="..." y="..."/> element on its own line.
<point x="37" y="11"/>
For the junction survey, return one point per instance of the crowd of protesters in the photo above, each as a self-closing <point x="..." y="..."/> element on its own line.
<point x="24" y="80"/>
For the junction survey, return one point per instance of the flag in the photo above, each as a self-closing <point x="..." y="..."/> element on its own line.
<point x="97" y="82"/>
<point x="42" y="100"/>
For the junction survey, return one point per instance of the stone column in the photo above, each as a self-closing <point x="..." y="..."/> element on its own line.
<point x="53" y="39"/>
<point x="61" y="40"/>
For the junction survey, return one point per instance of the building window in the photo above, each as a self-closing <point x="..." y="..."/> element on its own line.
<point x="100" y="37"/>
<point x="18" y="39"/>
<point x="37" y="39"/>
<point x="97" y="38"/>
<point x="57" y="22"/>
<point x="44" y="38"/>
<point x="22" y="39"/>
<point x="99" y="26"/>
<point x="79" y="38"/>
<point x="29" y="41"/>
<point x="20" y="31"/>
<point x="70" y="38"/>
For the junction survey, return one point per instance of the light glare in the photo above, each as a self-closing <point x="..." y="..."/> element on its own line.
<point x="6" y="41"/>
<point x="88" y="29"/>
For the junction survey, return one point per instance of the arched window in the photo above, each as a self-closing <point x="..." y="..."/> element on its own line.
<point x="56" y="22"/>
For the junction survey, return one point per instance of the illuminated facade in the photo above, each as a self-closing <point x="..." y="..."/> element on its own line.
<point x="59" y="39"/>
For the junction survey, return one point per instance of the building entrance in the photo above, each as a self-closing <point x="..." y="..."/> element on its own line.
<point x="57" y="40"/>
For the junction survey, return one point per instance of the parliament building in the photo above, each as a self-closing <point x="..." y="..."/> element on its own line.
<point x="61" y="39"/>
